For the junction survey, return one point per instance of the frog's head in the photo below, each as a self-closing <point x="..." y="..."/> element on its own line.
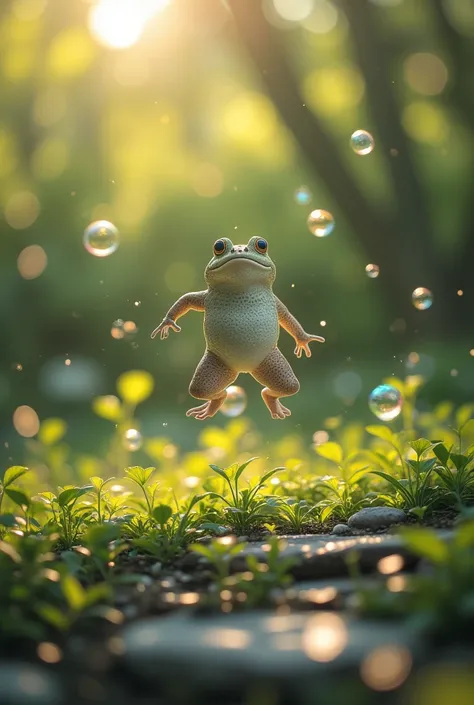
<point x="240" y="265"/>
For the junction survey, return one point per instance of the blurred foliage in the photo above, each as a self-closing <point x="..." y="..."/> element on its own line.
<point x="181" y="138"/>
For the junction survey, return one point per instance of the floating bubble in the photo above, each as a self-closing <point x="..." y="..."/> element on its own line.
<point x="422" y="298"/>
<point x="362" y="142"/>
<point x="132" y="439"/>
<point x="320" y="223"/>
<point x="372" y="271"/>
<point x="235" y="403"/>
<point x="385" y="402"/>
<point x="303" y="196"/>
<point x="123" y="329"/>
<point x="101" y="238"/>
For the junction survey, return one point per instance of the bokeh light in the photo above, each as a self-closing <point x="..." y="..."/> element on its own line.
<point x="119" y="24"/>
<point x="26" y="421"/>
<point x="386" y="668"/>
<point x="32" y="262"/>
<point x="425" y="73"/>
<point x="325" y="637"/>
<point x="21" y="210"/>
<point x="294" y="10"/>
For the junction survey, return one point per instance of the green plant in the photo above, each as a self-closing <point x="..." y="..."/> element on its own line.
<point x="68" y="515"/>
<point x="244" y="508"/>
<point x="219" y="554"/>
<point x="456" y="472"/>
<point x="141" y="476"/>
<point x="295" y="515"/>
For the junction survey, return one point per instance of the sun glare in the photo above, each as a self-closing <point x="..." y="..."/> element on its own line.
<point x="119" y="24"/>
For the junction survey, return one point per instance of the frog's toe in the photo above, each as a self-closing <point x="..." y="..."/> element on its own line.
<point x="206" y="410"/>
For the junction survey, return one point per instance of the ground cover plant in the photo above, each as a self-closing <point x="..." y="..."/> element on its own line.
<point x="65" y="551"/>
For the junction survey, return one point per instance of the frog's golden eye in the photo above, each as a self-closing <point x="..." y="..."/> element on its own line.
<point x="219" y="247"/>
<point x="261" y="245"/>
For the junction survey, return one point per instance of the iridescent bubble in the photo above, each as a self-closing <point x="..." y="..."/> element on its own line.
<point x="372" y="271"/>
<point x="235" y="403"/>
<point x="320" y="223"/>
<point x="303" y="196"/>
<point x="385" y="402"/>
<point x="101" y="238"/>
<point x="362" y="142"/>
<point x="132" y="439"/>
<point x="422" y="298"/>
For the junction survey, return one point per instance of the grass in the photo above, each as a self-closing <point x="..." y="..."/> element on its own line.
<point x="63" y="550"/>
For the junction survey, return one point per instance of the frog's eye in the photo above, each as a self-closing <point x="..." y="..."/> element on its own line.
<point x="219" y="247"/>
<point x="261" y="245"/>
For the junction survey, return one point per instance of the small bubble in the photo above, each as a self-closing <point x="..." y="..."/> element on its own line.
<point x="385" y="402"/>
<point x="292" y="286"/>
<point x="132" y="439"/>
<point x="422" y="298"/>
<point x="303" y="196"/>
<point x="18" y="366"/>
<point x="362" y="142"/>
<point x="165" y="423"/>
<point x="322" y="323"/>
<point x="101" y="238"/>
<point x="460" y="292"/>
<point x="117" y="330"/>
<point x="67" y="362"/>
<point x="320" y="223"/>
<point x="372" y="271"/>
<point x="235" y="402"/>
<point x="138" y="303"/>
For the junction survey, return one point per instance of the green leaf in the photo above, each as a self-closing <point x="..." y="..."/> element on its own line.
<point x="52" y="615"/>
<point x="69" y="496"/>
<point x="418" y="512"/>
<point x="135" y="386"/>
<point x="73" y="592"/>
<point x="426" y="543"/>
<point x="326" y="512"/>
<point x="8" y="520"/>
<point x="464" y="536"/>
<point x="12" y="474"/>
<point x="381" y="432"/>
<point x="18" y="496"/>
<point x="463" y="414"/>
<point x="139" y="475"/>
<point x="420" y="446"/>
<point x="8" y="550"/>
<point x="202" y="550"/>
<point x="100" y="535"/>
<point x="358" y="475"/>
<point x="219" y="471"/>
<point x="241" y="469"/>
<point x="442" y="453"/>
<point x="400" y="486"/>
<point x="108" y="407"/>
<point x="51" y="431"/>
<point x="443" y="411"/>
<point x="330" y="451"/>
<point x="162" y="513"/>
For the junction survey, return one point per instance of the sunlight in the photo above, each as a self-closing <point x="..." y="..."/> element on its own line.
<point x="119" y="24"/>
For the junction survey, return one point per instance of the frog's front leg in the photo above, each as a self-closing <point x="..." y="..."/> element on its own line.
<point x="209" y="382"/>
<point x="280" y="381"/>
<point x="296" y="330"/>
<point x="194" y="301"/>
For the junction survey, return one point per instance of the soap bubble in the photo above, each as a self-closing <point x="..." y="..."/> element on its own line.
<point x="123" y="329"/>
<point x="303" y="196"/>
<point x="101" y="238"/>
<point x="385" y="402"/>
<point x="362" y="142"/>
<point x="320" y="223"/>
<point x="132" y="439"/>
<point x="422" y="298"/>
<point x="235" y="403"/>
<point x="372" y="271"/>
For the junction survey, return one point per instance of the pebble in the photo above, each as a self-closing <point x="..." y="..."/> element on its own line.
<point x="341" y="530"/>
<point x="375" y="517"/>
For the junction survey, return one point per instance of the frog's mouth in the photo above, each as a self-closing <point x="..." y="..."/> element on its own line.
<point x="241" y="258"/>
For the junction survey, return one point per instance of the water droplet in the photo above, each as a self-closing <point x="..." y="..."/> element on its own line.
<point x="101" y="238"/>
<point x="303" y="196"/>
<point x="132" y="439"/>
<point x="362" y="142"/>
<point x="235" y="403"/>
<point x="422" y="298"/>
<point x="372" y="271"/>
<point x="320" y="223"/>
<point x="385" y="402"/>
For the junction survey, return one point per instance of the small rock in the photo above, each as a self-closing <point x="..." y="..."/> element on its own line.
<point x="155" y="569"/>
<point x="375" y="517"/>
<point x="341" y="530"/>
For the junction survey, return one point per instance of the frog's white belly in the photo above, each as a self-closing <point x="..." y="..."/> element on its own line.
<point x="241" y="327"/>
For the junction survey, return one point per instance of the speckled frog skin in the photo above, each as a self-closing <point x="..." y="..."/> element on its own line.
<point x="242" y="319"/>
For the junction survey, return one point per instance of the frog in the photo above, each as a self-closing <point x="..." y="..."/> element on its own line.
<point x="242" y="321"/>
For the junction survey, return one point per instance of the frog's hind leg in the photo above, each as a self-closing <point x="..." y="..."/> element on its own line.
<point x="280" y="381"/>
<point x="209" y="382"/>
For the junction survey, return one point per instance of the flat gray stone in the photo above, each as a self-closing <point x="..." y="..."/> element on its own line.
<point x="24" y="684"/>
<point x="298" y="649"/>
<point x="376" y="518"/>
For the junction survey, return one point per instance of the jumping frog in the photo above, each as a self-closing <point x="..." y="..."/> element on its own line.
<point x="242" y="319"/>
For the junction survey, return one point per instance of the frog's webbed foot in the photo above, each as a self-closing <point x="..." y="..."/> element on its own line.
<point x="208" y="409"/>
<point x="279" y="379"/>
<point x="274" y="405"/>
<point x="209" y="382"/>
